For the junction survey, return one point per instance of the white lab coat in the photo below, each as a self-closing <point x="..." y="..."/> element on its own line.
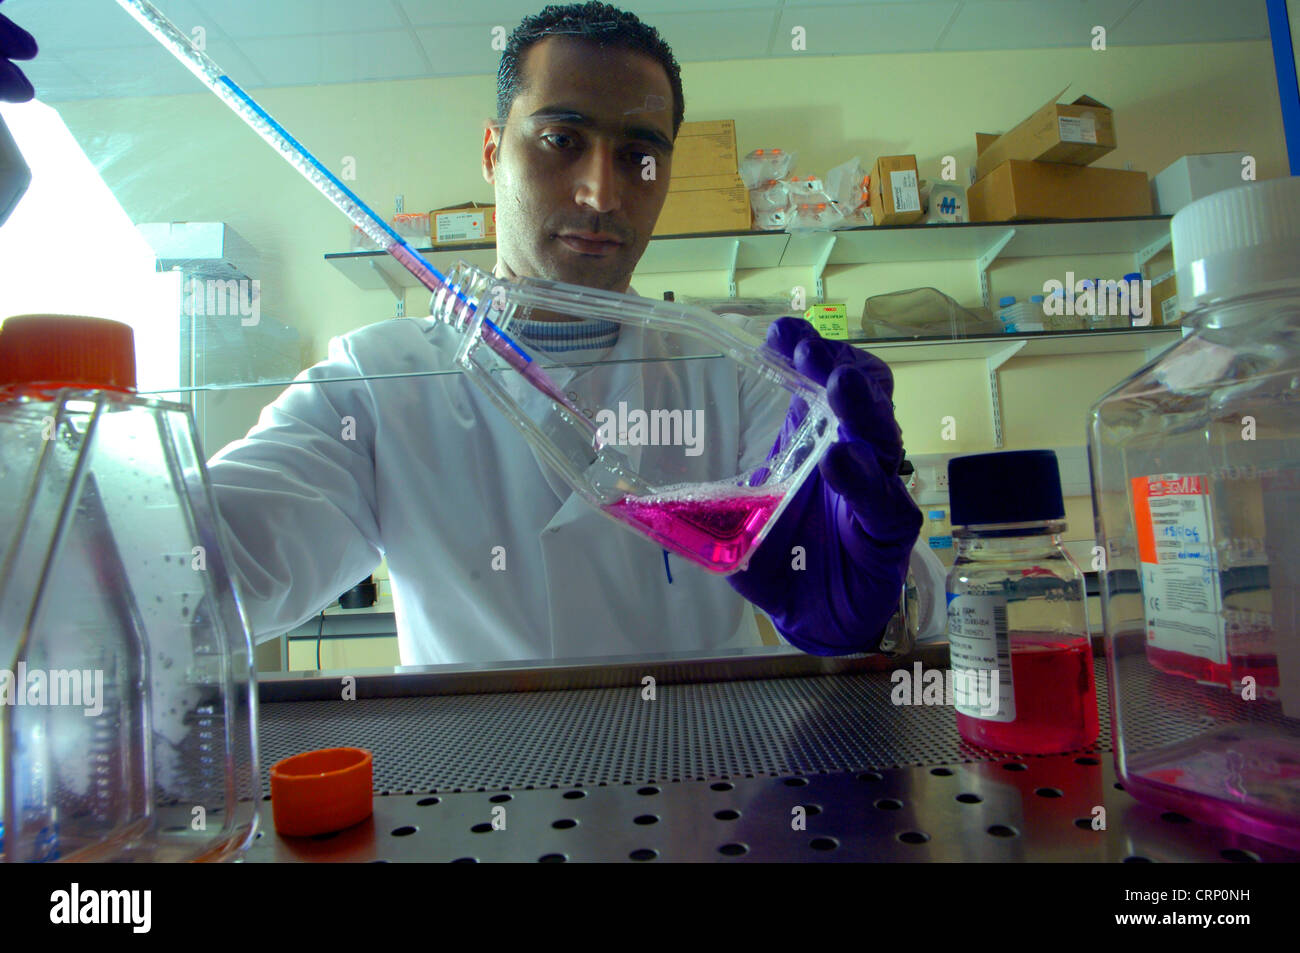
<point x="425" y="471"/>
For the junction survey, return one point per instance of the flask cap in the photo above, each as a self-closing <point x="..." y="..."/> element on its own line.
<point x="1015" y="486"/>
<point x="67" y="350"/>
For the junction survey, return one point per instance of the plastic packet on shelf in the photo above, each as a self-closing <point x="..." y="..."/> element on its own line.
<point x="810" y="189"/>
<point x="815" y="217"/>
<point x="849" y="185"/>
<point x="924" y="312"/>
<point x="361" y="241"/>
<point x="413" y="226"/>
<point x="775" y="220"/>
<point x="763" y="164"/>
<point x="770" y="195"/>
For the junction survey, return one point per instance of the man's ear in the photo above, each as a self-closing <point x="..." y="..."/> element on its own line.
<point x="491" y="149"/>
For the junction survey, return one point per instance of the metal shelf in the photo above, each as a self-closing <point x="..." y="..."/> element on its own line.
<point x="1031" y="344"/>
<point x="733" y="251"/>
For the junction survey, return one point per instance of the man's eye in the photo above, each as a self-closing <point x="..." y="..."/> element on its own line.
<point x="558" y="140"/>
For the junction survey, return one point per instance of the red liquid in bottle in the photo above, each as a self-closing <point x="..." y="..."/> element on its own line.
<point x="715" y="533"/>
<point x="1055" y="698"/>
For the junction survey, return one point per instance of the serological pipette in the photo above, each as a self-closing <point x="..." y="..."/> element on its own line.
<point x="360" y="214"/>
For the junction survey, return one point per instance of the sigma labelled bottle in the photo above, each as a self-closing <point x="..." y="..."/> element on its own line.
<point x="1022" y="663"/>
<point x="1196" y="485"/>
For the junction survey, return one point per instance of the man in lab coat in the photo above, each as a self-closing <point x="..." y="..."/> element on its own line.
<point x="490" y="556"/>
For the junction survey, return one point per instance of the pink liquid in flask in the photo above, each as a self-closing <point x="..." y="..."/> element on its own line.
<point x="715" y="532"/>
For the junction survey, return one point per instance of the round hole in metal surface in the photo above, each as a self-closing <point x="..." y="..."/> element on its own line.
<point x="426" y="801"/>
<point x="889" y="803"/>
<point x="1002" y="830"/>
<point x="645" y="853"/>
<point x="465" y="860"/>
<point x="552" y="859"/>
<point x="1238" y="856"/>
<point x="812" y="809"/>
<point x="1173" y="817"/>
<point x="647" y="790"/>
<point x="1083" y="823"/>
<point x="1015" y="766"/>
<point x="406" y="830"/>
<point x="1137" y="860"/>
<point x="871" y="776"/>
<point x="823" y="843"/>
<point x="733" y="850"/>
<point x="1049" y="792"/>
<point x="722" y="786"/>
<point x="483" y="828"/>
<point x="795" y="782"/>
<point x="500" y="798"/>
<point x="1087" y="760"/>
<point x="914" y="837"/>
<point x="727" y="814"/>
<point x="941" y="772"/>
<point x="644" y="819"/>
<point x="564" y="823"/>
<point x="574" y="795"/>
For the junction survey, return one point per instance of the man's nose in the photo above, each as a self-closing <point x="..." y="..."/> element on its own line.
<point x="597" y="185"/>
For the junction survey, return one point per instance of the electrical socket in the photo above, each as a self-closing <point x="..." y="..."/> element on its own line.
<point x="941" y="479"/>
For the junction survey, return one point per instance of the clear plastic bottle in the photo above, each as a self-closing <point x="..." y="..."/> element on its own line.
<point x="1017" y="615"/>
<point x="1196" y="486"/>
<point x="129" y="732"/>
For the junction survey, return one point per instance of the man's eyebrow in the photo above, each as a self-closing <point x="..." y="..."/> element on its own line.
<point x="573" y="117"/>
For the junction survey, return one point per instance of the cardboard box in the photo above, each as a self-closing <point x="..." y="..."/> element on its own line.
<point x="705" y="148"/>
<point x="1020" y="191"/>
<point x="1194" y="177"/>
<point x="705" y="203"/>
<point x="1163" y="305"/>
<point x="830" y="320"/>
<point x="895" y="191"/>
<point x="1076" y="133"/>
<point x="463" y="224"/>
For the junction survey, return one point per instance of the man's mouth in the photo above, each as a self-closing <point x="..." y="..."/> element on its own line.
<point x="590" y="243"/>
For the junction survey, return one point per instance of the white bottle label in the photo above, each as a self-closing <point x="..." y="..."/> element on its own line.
<point x="981" y="657"/>
<point x="1078" y="129"/>
<point x="907" y="196"/>
<point x="1178" y="568"/>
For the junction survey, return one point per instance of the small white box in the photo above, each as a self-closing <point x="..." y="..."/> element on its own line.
<point x="1194" y="177"/>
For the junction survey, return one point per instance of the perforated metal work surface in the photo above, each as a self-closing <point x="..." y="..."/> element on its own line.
<point x="776" y="769"/>
<point x="514" y="740"/>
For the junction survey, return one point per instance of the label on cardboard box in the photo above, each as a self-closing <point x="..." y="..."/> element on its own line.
<point x="1078" y="129"/>
<point x="830" y="320"/>
<point x="460" y="226"/>
<point x="907" y="195"/>
<point x="1169" y="310"/>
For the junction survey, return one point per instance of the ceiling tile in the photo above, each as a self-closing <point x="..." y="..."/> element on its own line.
<point x="61" y="25"/>
<point x="337" y="58"/>
<point x="459" y="50"/>
<point x="696" y="37"/>
<point x="1030" y="24"/>
<point x="1192" y="21"/>
<point x="257" y="18"/>
<point x="878" y="28"/>
<point x="509" y="13"/>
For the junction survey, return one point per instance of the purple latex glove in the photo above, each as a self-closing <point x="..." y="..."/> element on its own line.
<point x="15" y="44"/>
<point x="853" y="516"/>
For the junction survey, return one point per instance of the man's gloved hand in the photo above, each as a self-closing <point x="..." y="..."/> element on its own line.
<point x="853" y="516"/>
<point x="15" y="44"/>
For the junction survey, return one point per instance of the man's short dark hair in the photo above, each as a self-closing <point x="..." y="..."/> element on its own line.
<point x="595" y="22"/>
